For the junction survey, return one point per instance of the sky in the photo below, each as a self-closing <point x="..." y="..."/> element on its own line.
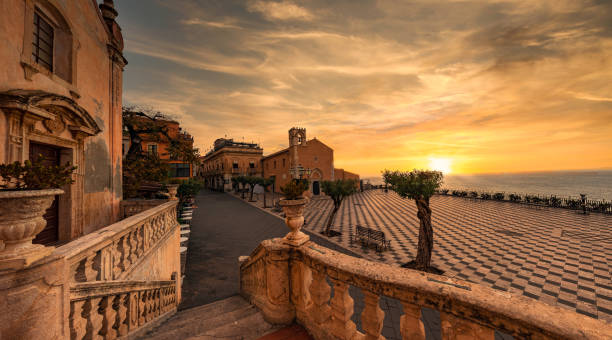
<point x="460" y="86"/>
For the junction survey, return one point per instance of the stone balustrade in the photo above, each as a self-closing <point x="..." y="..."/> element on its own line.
<point x="113" y="252"/>
<point x="109" y="310"/>
<point x="136" y="206"/>
<point x="290" y="283"/>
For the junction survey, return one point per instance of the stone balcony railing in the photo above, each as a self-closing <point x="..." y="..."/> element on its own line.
<point x="113" y="253"/>
<point x="105" y="285"/>
<point x="291" y="284"/>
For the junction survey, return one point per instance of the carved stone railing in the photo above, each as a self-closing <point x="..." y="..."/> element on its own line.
<point x="291" y="284"/>
<point x="109" y="310"/>
<point x="136" y="206"/>
<point x="113" y="252"/>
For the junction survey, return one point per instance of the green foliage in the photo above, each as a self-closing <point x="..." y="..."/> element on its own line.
<point x="189" y="188"/>
<point x="266" y="183"/>
<point x="416" y="184"/>
<point x="294" y="189"/>
<point x="138" y="170"/>
<point x="35" y="175"/>
<point x="339" y="189"/>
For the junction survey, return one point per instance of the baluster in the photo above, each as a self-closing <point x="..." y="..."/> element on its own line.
<point x="106" y="263"/>
<point x="411" y="325"/>
<point x="89" y="272"/>
<point x="157" y="302"/>
<point x="116" y="251"/>
<point x="133" y="246"/>
<point x="149" y="306"/>
<point x="140" y="239"/>
<point x="134" y="310"/>
<point x="78" y="323"/>
<point x="454" y="328"/>
<point x="372" y="316"/>
<point x="95" y="318"/>
<point x="301" y="278"/>
<point x="126" y="252"/>
<point x="341" y="311"/>
<point x="319" y="293"/>
<point x="121" y="307"/>
<point x="109" y="315"/>
<point x="142" y="308"/>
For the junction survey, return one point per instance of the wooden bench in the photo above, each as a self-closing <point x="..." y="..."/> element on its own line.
<point x="367" y="235"/>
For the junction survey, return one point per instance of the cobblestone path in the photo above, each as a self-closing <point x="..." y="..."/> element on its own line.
<point x="557" y="256"/>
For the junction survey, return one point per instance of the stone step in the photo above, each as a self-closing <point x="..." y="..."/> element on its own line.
<point x="185" y="232"/>
<point x="231" y="318"/>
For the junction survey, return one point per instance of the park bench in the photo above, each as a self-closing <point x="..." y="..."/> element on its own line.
<point x="367" y="236"/>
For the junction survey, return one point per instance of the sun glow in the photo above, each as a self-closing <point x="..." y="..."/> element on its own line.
<point x="441" y="164"/>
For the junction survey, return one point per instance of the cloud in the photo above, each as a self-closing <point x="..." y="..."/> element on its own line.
<point x="284" y="10"/>
<point x="495" y="85"/>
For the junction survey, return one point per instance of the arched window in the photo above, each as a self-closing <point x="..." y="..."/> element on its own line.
<point x="48" y="45"/>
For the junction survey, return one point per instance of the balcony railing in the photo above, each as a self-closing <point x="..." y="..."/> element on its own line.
<point x="112" y="252"/>
<point x="291" y="284"/>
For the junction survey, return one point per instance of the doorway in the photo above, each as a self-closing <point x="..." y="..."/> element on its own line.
<point x="315" y="188"/>
<point x="51" y="156"/>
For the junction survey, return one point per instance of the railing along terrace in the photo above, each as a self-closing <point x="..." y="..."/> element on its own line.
<point x="112" y="252"/>
<point x="108" y="310"/>
<point x="573" y="203"/>
<point x="290" y="283"/>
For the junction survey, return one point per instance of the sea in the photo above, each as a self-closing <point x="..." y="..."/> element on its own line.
<point x="596" y="184"/>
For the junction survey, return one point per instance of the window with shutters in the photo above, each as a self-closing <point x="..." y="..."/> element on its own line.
<point x="42" y="42"/>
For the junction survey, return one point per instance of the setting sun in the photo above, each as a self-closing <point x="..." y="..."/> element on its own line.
<point x="440" y="164"/>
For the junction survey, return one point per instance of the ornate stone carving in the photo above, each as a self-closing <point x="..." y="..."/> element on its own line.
<point x="294" y="218"/>
<point x="56" y="125"/>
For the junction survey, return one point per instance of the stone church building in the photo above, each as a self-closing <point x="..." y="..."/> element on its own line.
<point x="312" y="159"/>
<point x="60" y="96"/>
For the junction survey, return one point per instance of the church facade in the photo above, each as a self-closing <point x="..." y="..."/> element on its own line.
<point x="311" y="159"/>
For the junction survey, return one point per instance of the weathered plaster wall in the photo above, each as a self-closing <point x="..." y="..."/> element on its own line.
<point x="91" y="89"/>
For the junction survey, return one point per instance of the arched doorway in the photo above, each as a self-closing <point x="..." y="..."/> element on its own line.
<point x="315" y="179"/>
<point x="315" y="188"/>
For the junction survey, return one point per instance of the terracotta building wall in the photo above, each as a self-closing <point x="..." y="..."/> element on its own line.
<point x="94" y="84"/>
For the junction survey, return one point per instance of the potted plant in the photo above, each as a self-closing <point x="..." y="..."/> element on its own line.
<point x="26" y="191"/>
<point x="172" y="187"/>
<point x="293" y="206"/>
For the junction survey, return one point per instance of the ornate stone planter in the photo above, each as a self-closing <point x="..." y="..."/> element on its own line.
<point x="21" y="219"/>
<point x="172" y="190"/>
<point x="294" y="218"/>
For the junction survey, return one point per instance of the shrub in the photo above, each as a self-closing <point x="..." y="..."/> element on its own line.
<point x="189" y="188"/>
<point x="473" y="194"/>
<point x="499" y="196"/>
<point x="294" y="189"/>
<point x="35" y="175"/>
<point x="514" y="197"/>
<point x="485" y="196"/>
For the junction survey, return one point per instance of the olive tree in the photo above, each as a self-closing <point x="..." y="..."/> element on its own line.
<point x="419" y="185"/>
<point x="337" y="190"/>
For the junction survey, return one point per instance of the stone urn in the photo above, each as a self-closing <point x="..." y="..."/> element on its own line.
<point x="294" y="218"/>
<point x="21" y="219"/>
<point x="172" y="190"/>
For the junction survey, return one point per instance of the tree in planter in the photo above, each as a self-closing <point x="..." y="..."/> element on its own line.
<point x="294" y="189"/>
<point x="266" y="183"/>
<point x="386" y="175"/>
<point x="420" y="185"/>
<point x="337" y="190"/>
<point x="252" y="181"/>
<point x="35" y="175"/>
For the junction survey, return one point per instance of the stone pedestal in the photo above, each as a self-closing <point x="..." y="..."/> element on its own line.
<point x="294" y="218"/>
<point x="35" y="301"/>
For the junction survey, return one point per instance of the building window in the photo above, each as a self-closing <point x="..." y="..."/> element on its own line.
<point x="235" y="165"/>
<point x="283" y="162"/>
<point x="252" y="165"/>
<point x="152" y="149"/>
<point x="42" y="44"/>
<point x="179" y="169"/>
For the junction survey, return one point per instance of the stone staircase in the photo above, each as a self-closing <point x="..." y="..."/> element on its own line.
<point x="232" y="318"/>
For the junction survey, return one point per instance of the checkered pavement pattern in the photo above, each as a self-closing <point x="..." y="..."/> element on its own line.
<point x="553" y="255"/>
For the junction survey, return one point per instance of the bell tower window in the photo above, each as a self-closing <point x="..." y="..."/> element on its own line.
<point x="42" y="44"/>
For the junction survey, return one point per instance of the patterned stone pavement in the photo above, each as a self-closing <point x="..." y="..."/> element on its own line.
<point x="553" y="255"/>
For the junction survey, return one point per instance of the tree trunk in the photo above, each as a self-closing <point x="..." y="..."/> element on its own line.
<point x="265" y="198"/>
<point x="252" y="189"/>
<point x="330" y="220"/>
<point x="425" y="246"/>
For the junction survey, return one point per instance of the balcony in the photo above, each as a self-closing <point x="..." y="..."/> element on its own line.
<point x="236" y="171"/>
